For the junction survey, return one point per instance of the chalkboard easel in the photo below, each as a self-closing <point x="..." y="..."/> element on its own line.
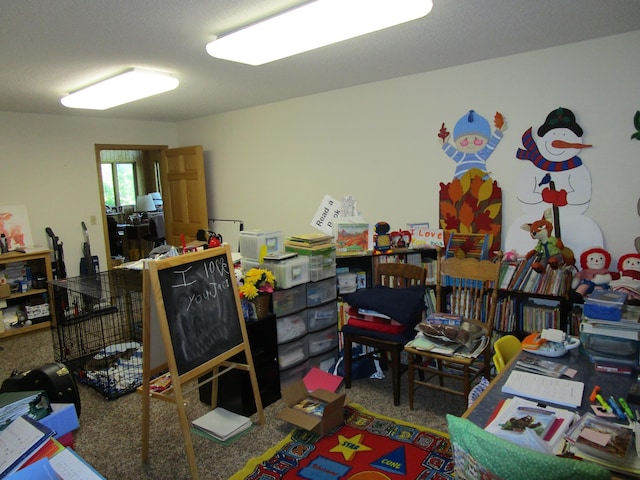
<point x="192" y="325"/>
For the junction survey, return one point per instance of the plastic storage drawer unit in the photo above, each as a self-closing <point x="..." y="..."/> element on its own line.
<point x="320" y="342"/>
<point x="321" y="317"/>
<point x="291" y="326"/>
<point x="321" y="292"/>
<point x="289" y="300"/>
<point x="256" y="242"/>
<point x="291" y="354"/>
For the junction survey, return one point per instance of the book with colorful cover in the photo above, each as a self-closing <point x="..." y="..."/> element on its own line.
<point x="601" y="438"/>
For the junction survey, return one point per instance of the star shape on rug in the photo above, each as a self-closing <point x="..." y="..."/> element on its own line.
<point x="350" y="446"/>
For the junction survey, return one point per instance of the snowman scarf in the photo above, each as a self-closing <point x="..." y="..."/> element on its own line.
<point x="532" y="154"/>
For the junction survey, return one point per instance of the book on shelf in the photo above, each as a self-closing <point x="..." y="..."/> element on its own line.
<point x="221" y="423"/>
<point x="507" y="270"/>
<point x="353" y="238"/>
<point x="311" y="238"/>
<point x="558" y="391"/>
<point x="537" y="364"/>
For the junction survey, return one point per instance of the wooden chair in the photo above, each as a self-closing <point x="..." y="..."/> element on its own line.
<point x="473" y="297"/>
<point x="395" y="275"/>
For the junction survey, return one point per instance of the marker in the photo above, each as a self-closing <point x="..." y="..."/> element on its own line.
<point x="594" y="392"/>
<point x="625" y="407"/>
<point x="616" y="408"/>
<point x="604" y="404"/>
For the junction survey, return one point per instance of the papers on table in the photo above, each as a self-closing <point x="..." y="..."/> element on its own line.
<point x="546" y="438"/>
<point x="558" y="391"/>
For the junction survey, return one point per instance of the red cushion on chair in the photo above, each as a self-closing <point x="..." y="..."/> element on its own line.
<point x="370" y="322"/>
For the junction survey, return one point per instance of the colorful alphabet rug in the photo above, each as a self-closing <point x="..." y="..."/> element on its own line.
<point x="366" y="447"/>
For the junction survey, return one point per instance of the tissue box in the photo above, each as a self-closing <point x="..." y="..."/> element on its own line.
<point x="319" y="411"/>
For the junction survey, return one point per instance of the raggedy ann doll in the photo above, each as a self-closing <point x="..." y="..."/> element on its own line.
<point x="594" y="273"/>
<point x="627" y="279"/>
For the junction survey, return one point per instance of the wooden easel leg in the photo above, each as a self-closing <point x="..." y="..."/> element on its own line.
<point x="146" y="403"/>
<point x="188" y="443"/>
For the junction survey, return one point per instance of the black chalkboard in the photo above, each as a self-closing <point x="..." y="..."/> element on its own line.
<point x="201" y="308"/>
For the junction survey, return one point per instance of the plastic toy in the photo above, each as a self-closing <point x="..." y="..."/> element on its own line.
<point x="382" y="238"/>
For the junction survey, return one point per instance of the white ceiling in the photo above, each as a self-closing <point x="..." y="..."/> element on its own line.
<point x="51" y="47"/>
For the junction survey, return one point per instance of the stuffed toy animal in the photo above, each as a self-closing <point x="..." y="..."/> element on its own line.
<point x="595" y="274"/>
<point x="627" y="279"/>
<point x="551" y="250"/>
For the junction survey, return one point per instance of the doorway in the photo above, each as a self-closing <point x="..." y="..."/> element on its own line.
<point x="139" y="174"/>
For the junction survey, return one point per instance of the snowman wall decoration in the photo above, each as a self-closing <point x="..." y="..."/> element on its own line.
<point x="555" y="177"/>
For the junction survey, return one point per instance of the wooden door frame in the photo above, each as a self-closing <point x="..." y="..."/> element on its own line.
<point x="98" y="148"/>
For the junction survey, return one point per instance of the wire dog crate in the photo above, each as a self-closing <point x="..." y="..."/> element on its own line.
<point x="98" y="329"/>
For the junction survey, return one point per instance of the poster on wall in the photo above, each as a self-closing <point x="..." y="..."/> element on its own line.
<point x="14" y="224"/>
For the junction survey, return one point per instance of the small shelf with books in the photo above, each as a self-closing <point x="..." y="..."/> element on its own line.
<point x="364" y="265"/>
<point x="531" y="301"/>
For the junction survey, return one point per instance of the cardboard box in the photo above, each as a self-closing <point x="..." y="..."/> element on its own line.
<point x="5" y="290"/>
<point x="332" y="414"/>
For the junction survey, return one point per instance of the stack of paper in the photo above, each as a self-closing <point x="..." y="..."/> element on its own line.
<point x="222" y="424"/>
<point x="21" y="438"/>
<point x="558" y="391"/>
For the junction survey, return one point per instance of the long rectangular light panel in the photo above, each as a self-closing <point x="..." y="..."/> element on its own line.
<point x="127" y="87"/>
<point x="313" y="25"/>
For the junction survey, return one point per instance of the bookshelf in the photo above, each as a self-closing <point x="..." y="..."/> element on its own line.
<point x="364" y="265"/>
<point x="530" y="301"/>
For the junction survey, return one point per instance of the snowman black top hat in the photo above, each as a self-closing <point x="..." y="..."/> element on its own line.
<point x="560" y="118"/>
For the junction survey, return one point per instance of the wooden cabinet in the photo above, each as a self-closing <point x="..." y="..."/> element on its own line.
<point x="35" y="301"/>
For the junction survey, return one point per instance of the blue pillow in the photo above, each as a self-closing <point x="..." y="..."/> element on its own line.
<point x="404" y="305"/>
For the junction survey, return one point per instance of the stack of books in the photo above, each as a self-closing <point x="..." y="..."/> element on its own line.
<point x="610" y="335"/>
<point x="221" y="424"/>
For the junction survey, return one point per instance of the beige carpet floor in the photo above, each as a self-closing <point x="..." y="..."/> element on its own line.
<point x="109" y="437"/>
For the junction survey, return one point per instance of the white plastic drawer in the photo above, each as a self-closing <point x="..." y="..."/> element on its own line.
<point x="321" y="292"/>
<point x="293" y="353"/>
<point x="322" y="341"/>
<point x="291" y="326"/>
<point x="322" y="317"/>
<point x="290" y="300"/>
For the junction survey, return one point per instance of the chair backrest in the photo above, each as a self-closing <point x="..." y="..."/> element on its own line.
<point x="471" y="283"/>
<point x="399" y="275"/>
<point x="506" y="347"/>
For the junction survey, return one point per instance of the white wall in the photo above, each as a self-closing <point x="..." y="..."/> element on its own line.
<point x="48" y="163"/>
<point x="272" y="164"/>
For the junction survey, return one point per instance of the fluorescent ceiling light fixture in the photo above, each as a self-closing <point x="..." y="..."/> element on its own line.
<point x="127" y="87"/>
<point x="313" y="25"/>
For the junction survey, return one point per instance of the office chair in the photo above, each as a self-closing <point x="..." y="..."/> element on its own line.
<point x="506" y="348"/>
<point x="404" y="306"/>
<point x="469" y="285"/>
<point x="156" y="233"/>
<point x="115" y="242"/>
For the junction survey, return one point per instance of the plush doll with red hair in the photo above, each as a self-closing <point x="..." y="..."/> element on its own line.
<point x="594" y="273"/>
<point x="627" y="279"/>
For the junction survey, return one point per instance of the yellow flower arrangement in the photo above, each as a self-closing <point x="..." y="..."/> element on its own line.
<point x="257" y="281"/>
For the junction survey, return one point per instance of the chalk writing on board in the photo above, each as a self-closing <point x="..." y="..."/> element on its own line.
<point x="201" y="310"/>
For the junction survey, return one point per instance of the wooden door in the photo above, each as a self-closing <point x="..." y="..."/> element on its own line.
<point x="184" y="194"/>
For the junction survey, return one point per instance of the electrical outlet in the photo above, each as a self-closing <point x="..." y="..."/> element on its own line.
<point x="92" y="220"/>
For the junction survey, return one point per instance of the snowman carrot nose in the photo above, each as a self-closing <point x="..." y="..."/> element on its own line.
<point x="563" y="144"/>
